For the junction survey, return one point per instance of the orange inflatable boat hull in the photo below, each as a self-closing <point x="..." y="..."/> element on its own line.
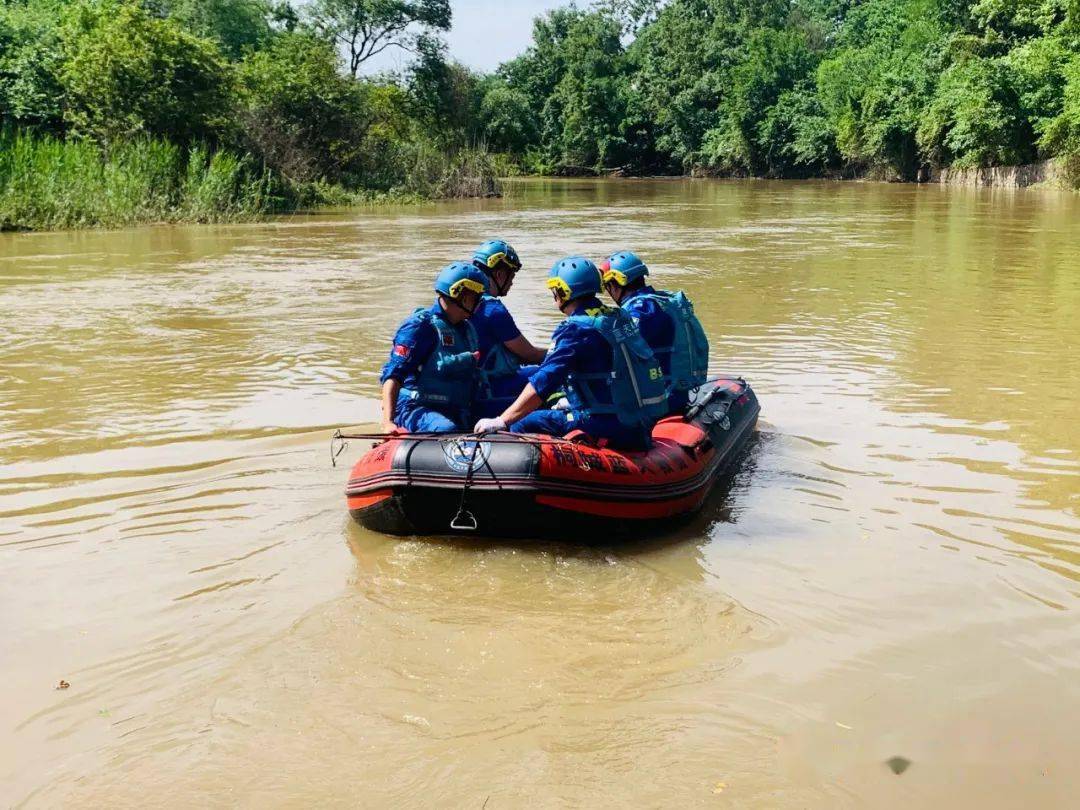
<point x="508" y="485"/>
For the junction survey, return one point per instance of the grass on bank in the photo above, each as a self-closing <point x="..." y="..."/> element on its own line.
<point x="49" y="183"/>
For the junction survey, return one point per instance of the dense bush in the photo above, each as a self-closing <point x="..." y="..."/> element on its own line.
<point x="299" y="114"/>
<point x="30" y="60"/>
<point x="128" y="73"/>
<point x="204" y="109"/>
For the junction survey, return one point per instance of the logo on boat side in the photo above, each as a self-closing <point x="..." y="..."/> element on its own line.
<point x="459" y="454"/>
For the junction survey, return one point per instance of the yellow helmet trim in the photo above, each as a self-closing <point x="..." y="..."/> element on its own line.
<point x="617" y="276"/>
<point x="495" y="259"/>
<point x="560" y="286"/>
<point x="466" y="284"/>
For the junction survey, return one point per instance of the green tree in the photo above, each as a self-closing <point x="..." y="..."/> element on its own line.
<point x="306" y="120"/>
<point x="1062" y="134"/>
<point x="236" y="25"/>
<point x="591" y="94"/>
<point x="537" y="72"/>
<point x="973" y="119"/>
<point x="576" y="81"/>
<point x="795" y="136"/>
<point x="30" y="60"/>
<point x="127" y="73"/>
<point x="507" y="120"/>
<point x="877" y="83"/>
<point x="775" y="62"/>
<point x="446" y="95"/>
<point x="365" y="28"/>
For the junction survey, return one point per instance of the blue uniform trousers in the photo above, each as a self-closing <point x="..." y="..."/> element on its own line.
<point x="416" y="418"/>
<point x="603" y="426"/>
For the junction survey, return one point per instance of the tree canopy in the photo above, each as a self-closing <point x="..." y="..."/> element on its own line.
<point x="784" y="88"/>
<point x="780" y="88"/>
<point x="365" y="28"/>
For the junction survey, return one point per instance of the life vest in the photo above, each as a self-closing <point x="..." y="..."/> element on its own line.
<point x="689" y="366"/>
<point x="499" y="362"/>
<point x="448" y="378"/>
<point x="634" y="388"/>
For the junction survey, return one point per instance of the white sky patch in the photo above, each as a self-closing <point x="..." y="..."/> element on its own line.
<point x="485" y="33"/>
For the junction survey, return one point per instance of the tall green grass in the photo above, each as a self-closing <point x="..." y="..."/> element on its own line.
<point x="49" y="183"/>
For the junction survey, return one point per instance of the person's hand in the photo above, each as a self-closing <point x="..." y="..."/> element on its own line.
<point x="390" y="428"/>
<point x="490" y="425"/>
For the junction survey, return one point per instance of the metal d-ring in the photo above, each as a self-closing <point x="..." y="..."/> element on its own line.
<point x="464" y="521"/>
<point x="337" y="438"/>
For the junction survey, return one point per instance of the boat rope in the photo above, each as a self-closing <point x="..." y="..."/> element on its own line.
<point x="465" y="520"/>
<point x="499" y="437"/>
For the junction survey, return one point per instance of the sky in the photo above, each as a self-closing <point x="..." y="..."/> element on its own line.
<point x="485" y="33"/>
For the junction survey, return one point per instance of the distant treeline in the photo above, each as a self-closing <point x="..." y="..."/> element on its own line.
<point x="788" y="88"/>
<point x="116" y="111"/>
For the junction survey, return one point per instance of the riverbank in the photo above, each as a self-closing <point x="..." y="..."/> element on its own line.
<point x="1055" y="173"/>
<point x="51" y="184"/>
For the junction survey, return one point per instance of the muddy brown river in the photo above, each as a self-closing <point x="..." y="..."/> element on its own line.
<point x="880" y="610"/>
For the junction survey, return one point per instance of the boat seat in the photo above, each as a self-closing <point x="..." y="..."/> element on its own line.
<point x="683" y="433"/>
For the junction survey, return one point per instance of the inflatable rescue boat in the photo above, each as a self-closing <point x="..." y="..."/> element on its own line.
<point x="510" y="485"/>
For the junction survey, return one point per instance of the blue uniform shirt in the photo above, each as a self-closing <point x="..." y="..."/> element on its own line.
<point x="573" y="348"/>
<point x="656" y="326"/>
<point x="493" y="323"/>
<point x="414" y="342"/>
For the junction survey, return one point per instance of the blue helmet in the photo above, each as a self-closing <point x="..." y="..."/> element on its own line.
<point x="495" y="252"/>
<point x="574" y="277"/>
<point x="623" y="268"/>
<point x="457" y="277"/>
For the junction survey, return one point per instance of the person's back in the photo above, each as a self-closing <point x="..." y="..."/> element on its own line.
<point x="658" y="329"/>
<point x="667" y="322"/>
<point x="612" y="381"/>
<point x="617" y="386"/>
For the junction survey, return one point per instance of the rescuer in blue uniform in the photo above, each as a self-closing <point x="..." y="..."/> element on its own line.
<point x="613" y="383"/>
<point x="429" y="382"/>
<point x="667" y="322"/>
<point x="503" y="349"/>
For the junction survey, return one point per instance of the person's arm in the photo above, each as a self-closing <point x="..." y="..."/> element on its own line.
<point x="544" y="382"/>
<point x="503" y="328"/>
<point x="527" y="402"/>
<point x="390" y="391"/>
<point x="524" y="350"/>
<point x="413" y="343"/>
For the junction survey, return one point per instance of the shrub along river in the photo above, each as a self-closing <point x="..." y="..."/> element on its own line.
<point x="879" y="610"/>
